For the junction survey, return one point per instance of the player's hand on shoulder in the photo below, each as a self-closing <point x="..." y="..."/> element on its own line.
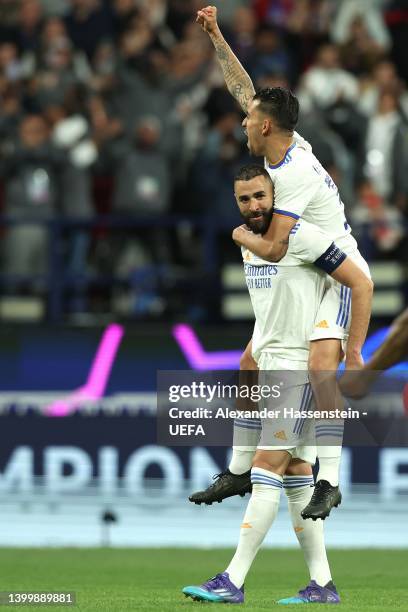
<point x="238" y="234"/>
<point x="207" y="18"/>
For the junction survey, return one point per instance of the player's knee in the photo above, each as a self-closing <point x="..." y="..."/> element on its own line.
<point x="297" y="467"/>
<point x="273" y="461"/>
<point x="324" y="355"/>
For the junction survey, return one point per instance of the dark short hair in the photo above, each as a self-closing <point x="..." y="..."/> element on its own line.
<point x="246" y="173"/>
<point x="280" y="104"/>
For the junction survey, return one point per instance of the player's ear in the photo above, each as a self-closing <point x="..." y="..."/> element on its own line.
<point x="266" y="127"/>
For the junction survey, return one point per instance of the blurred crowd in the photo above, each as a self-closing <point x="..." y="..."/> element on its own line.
<point x="119" y="107"/>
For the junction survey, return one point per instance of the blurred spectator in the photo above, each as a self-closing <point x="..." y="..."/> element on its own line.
<point x="140" y="88"/>
<point x="384" y="130"/>
<point x="45" y="178"/>
<point x="360" y="51"/>
<point x="384" y="169"/>
<point x="383" y="77"/>
<point x="368" y="15"/>
<point x="302" y="18"/>
<point x="11" y="68"/>
<point x="379" y="227"/>
<point x="31" y="171"/>
<point x="142" y="189"/>
<point x="29" y="24"/>
<point x="218" y="160"/>
<point x="269" y="55"/>
<point x="142" y="177"/>
<point x="9" y="10"/>
<point x="155" y="12"/>
<point x="326" y="82"/>
<point x="227" y="10"/>
<point x="276" y="12"/>
<point x="103" y="78"/>
<point x="179" y="14"/>
<point x="55" y="7"/>
<point x="89" y="22"/>
<point x="56" y="70"/>
<point x="242" y="35"/>
<point x="12" y="112"/>
<point x="71" y="133"/>
<point x="123" y="11"/>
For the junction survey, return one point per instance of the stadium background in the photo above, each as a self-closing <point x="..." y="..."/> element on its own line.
<point x="118" y="144"/>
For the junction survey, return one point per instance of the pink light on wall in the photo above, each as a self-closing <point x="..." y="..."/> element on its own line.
<point x="98" y="377"/>
<point x="197" y="357"/>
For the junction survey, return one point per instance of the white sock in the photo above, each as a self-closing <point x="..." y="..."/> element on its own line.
<point x="260" y="513"/>
<point x="329" y="469"/>
<point x="329" y="437"/>
<point x="309" y="533"/>
<point x="241" y="461"/>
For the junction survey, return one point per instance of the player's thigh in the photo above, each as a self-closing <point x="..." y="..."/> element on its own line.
<point x="325" y="355"/>
<point x="298" y="467"/>
<point x="275" y="461"/>
<point x="331" y="328"/>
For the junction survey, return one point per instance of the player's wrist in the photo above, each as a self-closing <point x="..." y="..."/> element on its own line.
<point x="353" y="352"/>
<point x="354" y="359"/>
<point x="215" y="34"/>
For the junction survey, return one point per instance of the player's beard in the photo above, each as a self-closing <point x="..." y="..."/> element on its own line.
<point x="260" y="224"/>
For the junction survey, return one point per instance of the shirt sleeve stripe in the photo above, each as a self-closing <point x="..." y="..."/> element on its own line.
<point x="277" y="211"/>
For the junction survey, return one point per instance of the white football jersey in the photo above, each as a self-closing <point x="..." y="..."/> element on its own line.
<point x="286" y="295"/>
<point x="304" y="189"/>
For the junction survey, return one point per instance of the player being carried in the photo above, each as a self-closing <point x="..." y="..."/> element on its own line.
<point x="283" y="448"/>
<point x="303" y="189"/>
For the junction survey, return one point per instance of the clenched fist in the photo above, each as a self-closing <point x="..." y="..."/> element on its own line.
<point x="207" y="18"/>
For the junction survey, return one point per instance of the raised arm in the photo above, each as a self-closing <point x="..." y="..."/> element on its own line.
<point x="236" y="78"/>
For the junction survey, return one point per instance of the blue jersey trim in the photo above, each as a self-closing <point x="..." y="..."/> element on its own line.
<point x="278" y="211"/>
<point x="284" y="159"/>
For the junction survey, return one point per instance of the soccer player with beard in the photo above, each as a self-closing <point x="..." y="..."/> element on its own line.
<point x="303" y="189"/>
<point x="286" y="297"/>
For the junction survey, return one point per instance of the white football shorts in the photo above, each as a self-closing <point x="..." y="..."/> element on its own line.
<point x="283" y="431"/>
<point x="334" y="314"/>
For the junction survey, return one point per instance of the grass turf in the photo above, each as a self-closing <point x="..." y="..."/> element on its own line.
<point x="136" y="579"/>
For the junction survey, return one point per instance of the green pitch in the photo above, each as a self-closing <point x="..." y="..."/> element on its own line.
<point x="135" y="579"/>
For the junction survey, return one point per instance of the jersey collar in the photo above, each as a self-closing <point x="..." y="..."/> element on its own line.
<point x="282" y="161"/>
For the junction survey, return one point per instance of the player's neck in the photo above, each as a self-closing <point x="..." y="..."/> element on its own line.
<point x="277" y="149"/>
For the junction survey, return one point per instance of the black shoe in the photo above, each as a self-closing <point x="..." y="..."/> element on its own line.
<point x="226" y="485"/>
<point x="324" y="498"/>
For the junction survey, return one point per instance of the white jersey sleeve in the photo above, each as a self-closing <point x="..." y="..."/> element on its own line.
<point x="295" y="188"/>
<point x="311" y="245"/>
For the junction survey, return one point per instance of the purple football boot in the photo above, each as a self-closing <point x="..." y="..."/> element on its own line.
<point x="219" y="589"/>
<point x="314" y="593"/>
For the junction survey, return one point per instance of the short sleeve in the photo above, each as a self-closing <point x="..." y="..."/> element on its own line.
<point x="311" y="245"/>
<point x="294" y="190"/>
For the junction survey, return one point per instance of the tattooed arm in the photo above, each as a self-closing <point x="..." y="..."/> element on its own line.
<point x="237" y="79"/>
